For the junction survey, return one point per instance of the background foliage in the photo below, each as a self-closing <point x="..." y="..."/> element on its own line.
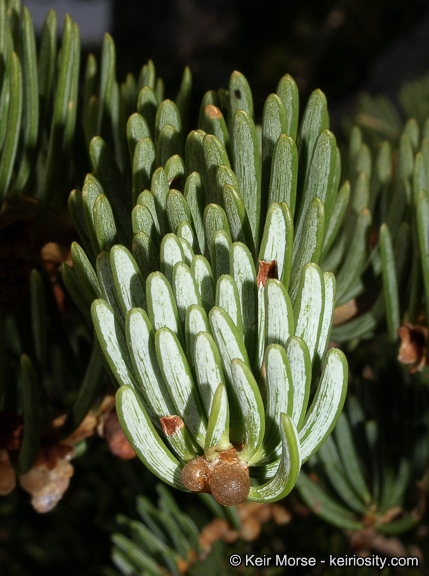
<point x="331" y="45"/>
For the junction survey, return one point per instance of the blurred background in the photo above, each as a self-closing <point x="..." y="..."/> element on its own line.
<point x="340" y="46"/>
<point x="343" y="47"/>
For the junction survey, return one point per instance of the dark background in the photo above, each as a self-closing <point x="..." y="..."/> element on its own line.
<point x="340" y="46"/>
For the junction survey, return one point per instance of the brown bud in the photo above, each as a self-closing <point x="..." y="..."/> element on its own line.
<point x="118" y="443"/>
<point x="195" y="474"/>
<point x="226" y="477"/>
<point x="229" y="483"/>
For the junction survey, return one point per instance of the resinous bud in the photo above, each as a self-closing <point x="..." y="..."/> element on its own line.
<point x="226" y="478"/>
<point x="230" y="483"/>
